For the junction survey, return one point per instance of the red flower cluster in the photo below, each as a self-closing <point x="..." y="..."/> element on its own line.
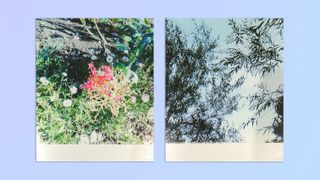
<point x="98" y="81"/>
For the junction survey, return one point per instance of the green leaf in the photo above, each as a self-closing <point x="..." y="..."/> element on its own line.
<point x="119" y="66"/>
<point x="126" y="38"/>
<point x="83" y="21"/>
<point x="121" y="47"/>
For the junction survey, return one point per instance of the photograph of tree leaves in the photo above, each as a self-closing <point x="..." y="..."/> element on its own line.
<point x="224" y="80"/>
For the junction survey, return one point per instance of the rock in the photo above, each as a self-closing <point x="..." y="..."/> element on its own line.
<point x="68" y="36"/>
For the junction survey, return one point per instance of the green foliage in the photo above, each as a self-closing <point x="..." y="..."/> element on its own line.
<point x="121" y="47"/>
<point x="126" y="39"/>
<point x="132" y="38"/>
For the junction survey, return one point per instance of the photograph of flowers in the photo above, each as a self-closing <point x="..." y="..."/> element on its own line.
<point x="224" y="81"/>
<point x="94" y="81"/>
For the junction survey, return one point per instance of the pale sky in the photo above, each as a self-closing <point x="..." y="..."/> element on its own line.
<point x="220" y="29"/>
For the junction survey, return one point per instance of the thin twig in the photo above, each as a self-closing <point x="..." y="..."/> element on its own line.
<point x="105" y="43"/>
<point x="93" y="36"/>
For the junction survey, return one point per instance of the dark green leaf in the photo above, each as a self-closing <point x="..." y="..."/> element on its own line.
<point x="126" y="38"/>
<point x="121" y="47"/>
<point x="119" y="66"/>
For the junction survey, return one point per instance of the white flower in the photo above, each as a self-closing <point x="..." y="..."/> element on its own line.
<point x="84" y="139"/>
<point x="40" y="101"/>
<point x="150" y="114"/>
<point x="109" y="58"/>
<point x="94" y="57"/>
<point x="64" y="74"/>
<point x="73" y="90"/>
<point x="133" y="99"/>
<point x="67" y="103"/>
<point x="133" y="77"/>
<point x="145" y="97"/>
<point x="140" y="65"/>
<point x="44" y="81"/>
<point x="125" y="59"/>
<point x="91" y="51"/>
<point x="96" y="137"/>
<point x="54" y="97"/>
<point x="130" y="115"/>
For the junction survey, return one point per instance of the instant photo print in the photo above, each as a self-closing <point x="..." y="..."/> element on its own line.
<point x="94" y="89"/>
<point x="224" y="89"/>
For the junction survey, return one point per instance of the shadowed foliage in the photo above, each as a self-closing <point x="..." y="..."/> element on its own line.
<point x="198" y="92"/>
<point x="256" y="47"/>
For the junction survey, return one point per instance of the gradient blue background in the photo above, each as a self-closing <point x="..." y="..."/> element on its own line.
<point x="17" y="89"/>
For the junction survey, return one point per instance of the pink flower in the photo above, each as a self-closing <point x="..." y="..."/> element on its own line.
<point x="92" y="68"/>
<point x="88" y="85"/>
<point x="98" y="82"/>
<point x="133" y="99"/>
<point x="107" y="72"/>
<point x="118" y="99"/>
<point x="106" y="69"/>
<point x="107" y="91"/>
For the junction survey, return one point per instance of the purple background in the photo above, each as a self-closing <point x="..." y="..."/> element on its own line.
<point x="17" y="89"/>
